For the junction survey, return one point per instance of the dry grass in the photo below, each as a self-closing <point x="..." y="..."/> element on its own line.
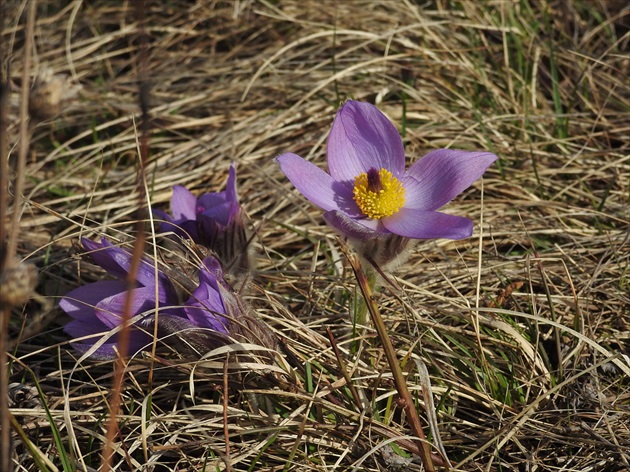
<point x="524" y="328"/>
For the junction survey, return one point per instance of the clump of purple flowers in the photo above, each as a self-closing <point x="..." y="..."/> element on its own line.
<point x="370" y="198"/>
<point x="209" y="316"/>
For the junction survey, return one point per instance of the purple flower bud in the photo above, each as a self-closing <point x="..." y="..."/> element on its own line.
<point x="214" y="220"/>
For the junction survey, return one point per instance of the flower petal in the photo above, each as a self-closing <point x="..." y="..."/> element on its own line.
<point x="149" y="277"/>
<point x="106" y="351"/>
<point x="205" y="306"/>
<point x="185" y="229"/>
<point x="202" y="316"/>
<point x="110" y="310"/>
<point x="230" y="192"/>
<point x="208" y="296"/>
<point x="207" y="201"/>
<point x="80" y="329"/>
<point x="421" y="224"/>
<point x="81" y="302"/>
<point x="361" y="138"/>
<point x="183" y="204"/>
<point x="219" y="213"/>
<point x="317" y="185"/>
<point x="117" y="261"/>
<point x="108" y="256"/>
<point x="362" y="230"/>
<point x="441" y="175"/>
<point x="161" y="215"/>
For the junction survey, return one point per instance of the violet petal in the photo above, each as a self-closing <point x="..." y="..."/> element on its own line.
<point x="80" y="302"/>
<point x="422" y="224"/>
<point x="317" y="185"/>
<point x="185" y="229"/>
<point x="207" y="296"/>
<point x="211" y="272"/>
<point x="362" y="138"/>
<point x="183" y="204"/>
<point x="161" y="216"/>
<point x="362" y="230"/>
<point x="205" y="306"/>
<point x="219" y="213"/>
<point x="203" y="316"/>
<point x="117" y="261"/>
<point x="111" y="309"/>
<point x="441" y="175"/>
<point x="80" y="329"/>
<point x="107" y="256"/>
<point x="208" y="201"/>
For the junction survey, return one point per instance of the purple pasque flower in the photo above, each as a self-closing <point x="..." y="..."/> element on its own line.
<point x="98" y="307"/>
<point x="214" y="220"/>
<point x="368" y="194"/>
<point x="202" y="218"/>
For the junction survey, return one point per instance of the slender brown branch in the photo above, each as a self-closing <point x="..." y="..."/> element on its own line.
<point x="121" y="365"/>
<point x="144" y="95"/>
<point x="4" y="142"/>
<point x="8" y="252"/>
<point x="138" y="249"/>
<point x="24" y="133"/>
<point x="5" y="312"/>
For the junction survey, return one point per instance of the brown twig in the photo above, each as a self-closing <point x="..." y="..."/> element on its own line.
<point x="5" y="312"/>
<point x="138" y="249"/>
<point x="8" y="252"/>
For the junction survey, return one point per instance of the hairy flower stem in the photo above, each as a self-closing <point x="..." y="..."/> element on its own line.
<point x="360" y="310"/>
<point x="427" y="458"/>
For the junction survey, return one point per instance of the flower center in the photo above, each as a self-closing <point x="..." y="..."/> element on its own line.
<point x="378" y="193"/>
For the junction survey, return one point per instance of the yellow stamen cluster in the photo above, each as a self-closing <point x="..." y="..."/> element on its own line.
<point x="378" y="195"/>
